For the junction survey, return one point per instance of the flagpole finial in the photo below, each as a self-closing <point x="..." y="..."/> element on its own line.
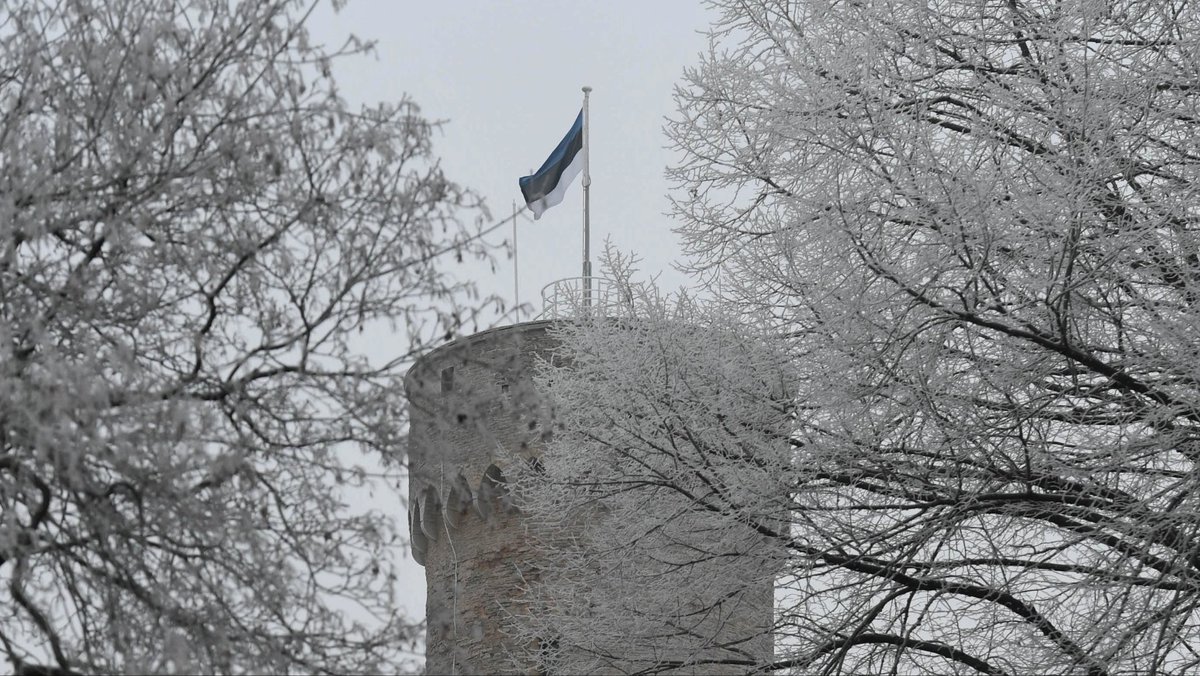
<point x="586" y="89"/>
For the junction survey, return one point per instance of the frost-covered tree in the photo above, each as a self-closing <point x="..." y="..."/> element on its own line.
<point x="973" y="227"/>
<point x="657" y="494"/>
<point x="194" y="229"/>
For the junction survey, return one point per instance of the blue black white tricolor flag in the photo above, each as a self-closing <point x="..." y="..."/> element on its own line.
<point x="545" y="188"/>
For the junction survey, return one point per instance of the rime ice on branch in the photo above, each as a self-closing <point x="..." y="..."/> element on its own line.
<point x="195" y="229"/>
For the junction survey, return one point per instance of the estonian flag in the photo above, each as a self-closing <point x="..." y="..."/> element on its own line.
<point x="547" y="185"/>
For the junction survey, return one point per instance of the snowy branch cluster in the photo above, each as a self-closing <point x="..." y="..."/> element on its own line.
<point x="194" y="229"/>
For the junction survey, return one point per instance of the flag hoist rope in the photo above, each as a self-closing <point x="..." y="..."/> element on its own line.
<point x="587" y="184"/>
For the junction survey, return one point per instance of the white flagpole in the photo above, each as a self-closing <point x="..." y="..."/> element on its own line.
<point x="587" y="184"/>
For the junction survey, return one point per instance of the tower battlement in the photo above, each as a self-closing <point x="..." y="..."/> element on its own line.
<point x="476" y="413"/>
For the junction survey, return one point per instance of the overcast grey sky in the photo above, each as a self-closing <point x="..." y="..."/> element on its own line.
<point x="506" y="75"/>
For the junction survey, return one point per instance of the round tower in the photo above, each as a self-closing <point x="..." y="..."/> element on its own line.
<point x="475" y="412"/>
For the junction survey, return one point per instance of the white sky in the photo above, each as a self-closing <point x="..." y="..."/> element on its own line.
<point x="506" y="75"/>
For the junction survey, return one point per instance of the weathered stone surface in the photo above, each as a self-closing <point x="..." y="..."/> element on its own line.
<point x="475" y="546"/>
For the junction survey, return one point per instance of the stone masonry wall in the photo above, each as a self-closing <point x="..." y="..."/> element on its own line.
<point x="466" y="431"/>
<point x="476" y="552"/>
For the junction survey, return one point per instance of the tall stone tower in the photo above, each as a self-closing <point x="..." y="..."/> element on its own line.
<point x="475" y="411"/>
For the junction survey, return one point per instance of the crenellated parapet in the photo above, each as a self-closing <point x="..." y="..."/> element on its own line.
<point x="437" y="511"/>
<point x="475" y="411"/>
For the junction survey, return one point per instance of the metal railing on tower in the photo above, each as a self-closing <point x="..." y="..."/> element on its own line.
<point x="573" y="297"/>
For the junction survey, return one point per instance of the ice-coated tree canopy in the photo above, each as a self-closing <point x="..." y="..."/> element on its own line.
<point x="670" y="438"/>
<point x="973" y="229"/>
<point x="193" y="227"/>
